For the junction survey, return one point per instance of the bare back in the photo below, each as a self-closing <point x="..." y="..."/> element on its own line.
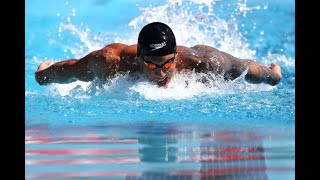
<point x="200" y="58"/>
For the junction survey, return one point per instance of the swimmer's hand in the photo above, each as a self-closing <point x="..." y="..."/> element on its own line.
<point x="276" y="69"/>
<point x="44" y="65"/>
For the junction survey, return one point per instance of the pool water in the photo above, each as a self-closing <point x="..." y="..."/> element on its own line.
<point x="131" y="129"/>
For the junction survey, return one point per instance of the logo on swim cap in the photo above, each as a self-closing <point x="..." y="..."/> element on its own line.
<point x="156" y="39"/>
<point x="157" y="46"/>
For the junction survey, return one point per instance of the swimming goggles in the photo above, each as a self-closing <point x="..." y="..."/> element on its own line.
<point x="167" y="64"/>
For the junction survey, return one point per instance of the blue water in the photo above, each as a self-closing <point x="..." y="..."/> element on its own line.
<point x="131" y="129"/>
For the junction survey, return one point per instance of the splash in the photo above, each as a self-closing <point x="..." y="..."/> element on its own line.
<point x="182" y="86"/>
<point x="71" y="89"/>
<point x="212" y="22"/>
<point x="191" y="85"/>
<point x="193" y="22"/>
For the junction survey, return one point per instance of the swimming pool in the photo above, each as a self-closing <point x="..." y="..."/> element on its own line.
<point x="131" y="129"/>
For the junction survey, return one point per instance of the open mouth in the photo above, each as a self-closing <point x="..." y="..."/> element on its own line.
<point x="162" y="81"/>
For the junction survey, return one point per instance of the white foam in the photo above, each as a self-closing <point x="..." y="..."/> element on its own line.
<point x="30" y="93"/>
<point x="67" y="89"/>
<point x="192" y="27"/>
<point x="189" y="85"/>
<point x="182" y="86"/>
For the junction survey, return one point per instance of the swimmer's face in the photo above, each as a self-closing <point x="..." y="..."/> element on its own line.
<point x="159" y="69"/>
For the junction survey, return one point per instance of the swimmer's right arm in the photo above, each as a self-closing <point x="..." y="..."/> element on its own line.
<point x="100" y="63"/>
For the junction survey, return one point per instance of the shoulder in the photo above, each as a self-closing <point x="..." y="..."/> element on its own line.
<point x="184" y="52"/>
<point x="119" y="48"/>
<point x="197" y="50"/>
<point x="187" y="58"/>
<point x="199" y="57"/>
<point x="204" y="48"/>
<point x="130" y="50"/>
<point x="114" y="47"/>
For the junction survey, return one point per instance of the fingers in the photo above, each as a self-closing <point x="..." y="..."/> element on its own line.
<point x="276" y="68"/>
<point x="48" y="62"/>
<point x="274" y="65"/>
<point x="44" y="65"/>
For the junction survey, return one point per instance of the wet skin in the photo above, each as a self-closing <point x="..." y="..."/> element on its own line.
<point x="116" y="58"/>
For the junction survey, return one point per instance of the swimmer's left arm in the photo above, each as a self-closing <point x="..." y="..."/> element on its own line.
<point x="259" y="73"/>
<point x="232" y="67"/>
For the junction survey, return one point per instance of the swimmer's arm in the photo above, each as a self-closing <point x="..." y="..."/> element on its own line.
<point x="63" y="72"/>
<point x="258" y="73"/>
<point x="98" y="64"/>
<point x="232" y="67"/>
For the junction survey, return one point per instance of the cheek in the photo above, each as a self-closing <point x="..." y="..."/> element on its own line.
<point x="148" y="73"/>
<point x="170" y="71"/>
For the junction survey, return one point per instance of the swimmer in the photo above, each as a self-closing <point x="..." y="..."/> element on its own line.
<point x="158" y="58"/>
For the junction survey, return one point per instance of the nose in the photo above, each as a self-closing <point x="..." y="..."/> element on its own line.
<point x="159" y="72"/>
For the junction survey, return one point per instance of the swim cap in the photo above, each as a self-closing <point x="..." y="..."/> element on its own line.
<point x="156" y="39"/>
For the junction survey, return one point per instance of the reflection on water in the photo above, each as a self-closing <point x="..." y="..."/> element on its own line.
<point x="233" y="155"/>
<point x="157" y="151"/>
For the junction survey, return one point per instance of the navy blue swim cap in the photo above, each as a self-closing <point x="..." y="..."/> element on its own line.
<point x="156" y="39"/>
